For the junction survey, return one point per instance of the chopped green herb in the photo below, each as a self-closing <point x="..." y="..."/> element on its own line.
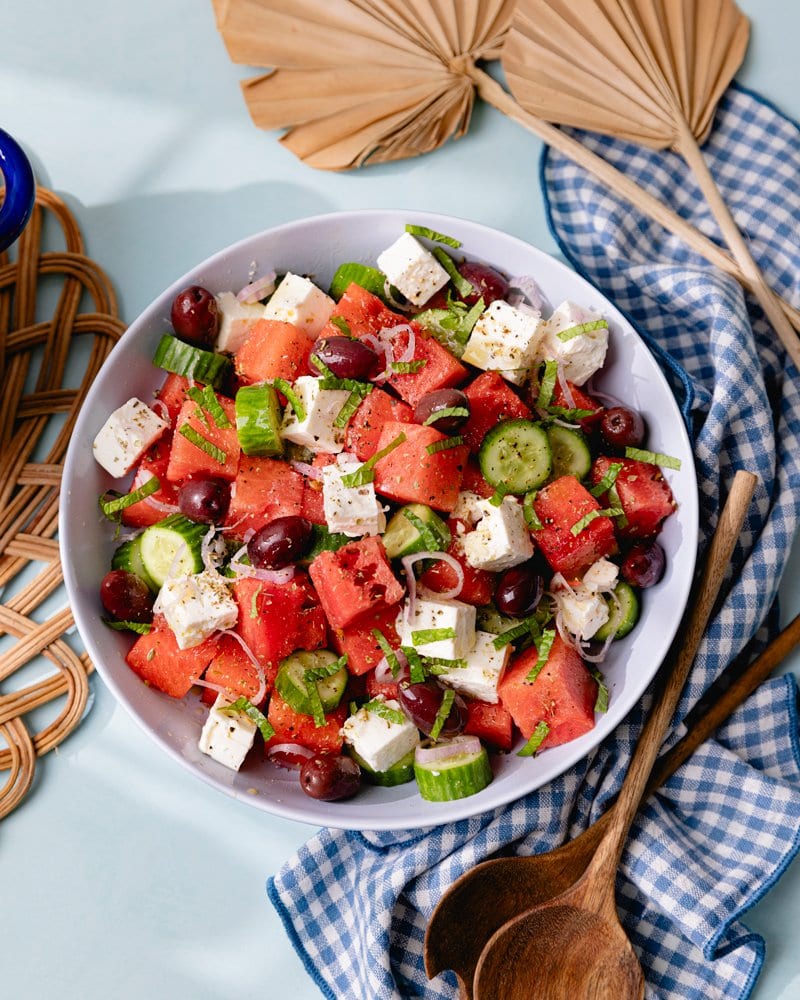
<point x="601" y="703"/>
<point x="425" y="635"/>
<point x="537" y="738"/>
<point x="353" y="707"/>
<point x="613" y="496"/>
<point x="349" y="407"/>
<point x="113" y="507"/>
<point x="415" y="664"/>
<point x="343" y="326"/>
<point x="141" y="628"/>
<point x="312" y="691"/>
<point x="254" y="603"/>
<point x="321" y="367"/>
<point x="214" y="407"/>
<point x="576" y="331"/>
<point x="608" y="480"/>
<point x="292" y="398"/>
<point x="385" y="711"/>
<point x="448" y="411"/>
<point x="587" y="519"/>
<point x="431" y="234"/>
<point x="242" y="704"/>
<point x="496" y="499"/>
<point x="365" y="474"/>
<point x="573" y="415"/>
<point x="408" y="367"/>
<point x="543" y="647"/>
<point x="462" y="285"/>
<point x="197" y="439"/>
<point x="388" y="652"/>
<point x="451" y="326"/>
<point x="653" y="458"/>
<point x="430" y="540"/>
<point x="441" y="716"/>
<point x="351" y="384"/>
<point x="528" y="627"/>
<point x="547" y="384"/>
<point x="445" y="445"/>
<point x="529" y="512"/>
<point x="326" y="670"/>
<point x="441" y="665"/>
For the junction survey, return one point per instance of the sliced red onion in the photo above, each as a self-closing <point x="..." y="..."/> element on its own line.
<point x="564" y="632"/>
<point x="525" y="290"/>
<point x="161" y="409"/>
<point x="257" y="289"/>
<point x="387" y="294"/>
<point x="445" y="750"/>
<point x="275" y="752"/>
<point x="569" y="399"/>
<point x="445" y="595"/>
<point x="211" y="558"/>
<point x="200" y="682"/>
<point x="261" y="694"/>
<point x="600" y="655"/>
<point x="390" y="333"/>
<point x="240" y="569"/>
<point x="306" y="470"/>
<point x="159" y="505"/>
<point x="383" y="672"/>
<point x="559" y="582"/>
<point x="383" y="350"/>
<point x="566" y="423"/>
<point x="603" y="397"/>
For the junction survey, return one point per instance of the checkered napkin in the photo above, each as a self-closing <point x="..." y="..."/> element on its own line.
<point x="714" y="839"/>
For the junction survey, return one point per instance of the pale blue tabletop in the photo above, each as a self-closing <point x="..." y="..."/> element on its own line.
<point x="121" y="876"/>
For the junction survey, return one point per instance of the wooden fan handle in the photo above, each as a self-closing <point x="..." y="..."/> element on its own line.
<point x="493" y="94"/>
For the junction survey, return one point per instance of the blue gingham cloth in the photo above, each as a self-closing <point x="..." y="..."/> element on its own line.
<point x="714" y="839"/>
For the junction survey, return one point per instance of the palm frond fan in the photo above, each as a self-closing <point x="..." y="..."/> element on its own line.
<point x="370" y="81"/>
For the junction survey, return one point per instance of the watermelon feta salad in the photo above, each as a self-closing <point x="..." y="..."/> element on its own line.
<point x="385" y="531"/>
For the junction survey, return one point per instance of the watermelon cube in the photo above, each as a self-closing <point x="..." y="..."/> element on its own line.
<point x="409" y="474"/>
<point x="156" y="658"/>
<point x="364" y="429"/>
<point x="491" y="399"/>
<point x="154" y="462"/>
<point x="264" y="488"/>
<point x="490" y="723"/>
<point x="273" y="349"/>
<point x="644" y="494"/>
<point x="360" y="645"/>
<point x="560" y="506"/>
<point x="294" y="727"/>
<point x="355" y="581"/>
<point x="232" y="669"/>
<point x="218" y="456"/>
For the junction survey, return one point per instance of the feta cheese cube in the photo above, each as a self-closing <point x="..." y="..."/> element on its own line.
<point x="429" y="613"/>
<point x="582" y="612"/>
<point x="501" y="538"/>
<point x="235" y="321"/>
<point x="227" y="738"/>
<point x="505" y="339"/>
<point x="485" y="666"/>
<point x="195" y="606"/>
<point x="380" y="742"/>
<point x="352" y="510"/>
<point x="298" y="301"/>
<point x="317" y="431"/>
<point x="578" y="356"/>
<point x="468" y="507"/>
<point x="412" y="269"/>
<point x="126" y="436"/>
<point x="601" y="575"/>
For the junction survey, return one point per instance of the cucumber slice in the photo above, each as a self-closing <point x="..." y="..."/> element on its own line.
<point x="570" y="451"/>
<point x="129" y="557"/>
<point x="369" y="278"/>
<point x="622" y="613"/>
<point x="324" y="541"/>
<point x="290" y="682"/>
<point x="175" y="356"/>
<point x="415" y="528"/>
<point x="172" y="547"/>
<point x="515" y="456"/>
<point x="454" y="778"/>
<point x="258" y="420"/>
<point x="398" y="774"/>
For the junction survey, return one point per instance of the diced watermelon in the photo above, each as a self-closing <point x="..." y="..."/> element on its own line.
<point x="474" y="482"/>
<point x="363" y="312"/>
<point x="313" y="504"/>
<point x="232" y="669"/>
<point x="294" y="727"/>
<point x="441" y="370"/>
<point x="491" y="399"/>
<point x="563" y="695"/>
<point x="364" y="429"/>
<point x="173" y="395"/>
<point x="360" y="645"/>
<point x="188" y="459"/>
<point x="580" y="401"/>
<point x="409" y="474"/>
<point x="154" y="463"/>
<point x="355" y="581"/>
<point x="273" y="349"/>
<point x="156" y="658"/>
<point x="644" y="494"/>
<point x="478" y="585"/>
<point x="490" y="723"/>
<point x="559" y="506"/>
<point x="265" y="488"/>
<point x="375" y="687"/>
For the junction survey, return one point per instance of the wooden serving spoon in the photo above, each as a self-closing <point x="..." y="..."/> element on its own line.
<point x="463" y="920"/>
<point x="574" y="944"/>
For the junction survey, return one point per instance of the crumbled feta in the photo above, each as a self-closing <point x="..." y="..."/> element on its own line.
<point x="412" y="269"/>
<point x="601" y="575"/>
<point x="298" y="301"/>
<point x="235" y="321"/>
<point x="468" y="507"/>
<point x="227" y="738"/>
<point x="505" y="339"/>
<point x="430" y="613"/>
<point x="317" y="431"/>
<point x="500" y="539"/>
<point x="380" y="742"/>
<point x="583" y="613"/>
<point x="485" y="666"/>
<point x="352" y="510"/>
<point x="579" y="357"/>
<point x="194" y="606"/>
<point x="126" y="436"/>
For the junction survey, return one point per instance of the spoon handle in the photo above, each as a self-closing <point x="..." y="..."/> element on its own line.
<point x="673" y="677"/>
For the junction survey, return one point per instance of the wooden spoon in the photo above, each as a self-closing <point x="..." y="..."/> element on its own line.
<point x="463" y="922"/>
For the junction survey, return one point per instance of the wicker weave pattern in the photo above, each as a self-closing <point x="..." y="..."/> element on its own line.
<point x="35" y="352"/>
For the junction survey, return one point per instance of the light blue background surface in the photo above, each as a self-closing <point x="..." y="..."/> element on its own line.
<point x="121" y="876"/>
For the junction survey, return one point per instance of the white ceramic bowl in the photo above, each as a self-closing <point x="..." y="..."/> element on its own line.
<point x="315" y="247"/>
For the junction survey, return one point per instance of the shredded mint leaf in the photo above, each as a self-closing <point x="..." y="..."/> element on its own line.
<point x="388" y="652"/>
<point x="430" y="539"/>
<point x="312" y="691"/>
<point x="431" y="234"/>
<point x="365" y="474"/>
<point x="601" y="703"/>
<point x="451" y="326"/>
<point x="608" y="480"/>
<point x="415" y="664"/>
<point x="445" y="445"/>
<point x="426" y="635"/>
<point x="441" y="665"/>
<point x="448" y="411"/>
<point x="141" y="628"/>
<point x="408" y="367"/>
<point x="351" y="404"/>
<point x="344" y="327"/>
<point x="528" y="627"/>
<point x="326" y="670"/>
<point x="587" y="519"/>
<point x="197" y="439"/>
<point x="547" y="384"/>
<point x="292" y="398"/>
<point x="529" y="512"/>
<point x="113" y="506"/>
<point x="444" y="710"/>
<point x="653" y="458"/>
<point x="496" y="499"/>
<point x="462" y="285"/>
<point x="537" y="738"/>
<point x="385" y="711"/>
<point x="321" y="367"/>
<point x="254" y="603"/>
<point x="543" y="647"/>
<point x="242" y="704"/>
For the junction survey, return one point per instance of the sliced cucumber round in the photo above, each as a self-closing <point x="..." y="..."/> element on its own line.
<point x="129" y="557"/>
<point x="194" y="363"/>
<point x="454" y="777"/>
<point x="415" y="528"/>
<point x="172" y="547"/>
<point x="398" y="774"/>
<point x="291" y="685"/>
<point x="570" y="451"/>
<point x="515" y="456"/>
<point x="623" y="613"/>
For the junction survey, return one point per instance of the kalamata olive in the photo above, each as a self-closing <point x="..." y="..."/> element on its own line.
<point x="442" y="399"/>
<point x="330" y="777"/>
<point x="126" y="596"/>
<point x="622" y="427"/>
<point x="281" y="542"/>
<point x="346" y="358"/>
<point x="644" y="564"/>
<point x="488" y="283"/>
<point x="205" y="499"/>
<point x="421" y="703"/>
<point x="519" y="590"/>
<point x="195" y="316"/>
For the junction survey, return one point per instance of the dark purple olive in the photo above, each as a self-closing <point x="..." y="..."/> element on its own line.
<point x="489" y="284"/>
<point x="195" y="316"/>
<point x="621" y="428"/>
<point x="205" y="500"/>
<point x="330" y="777"/>
<point x="644" y="564"/>
<point x="421" y="703"/>
<point x="126" y="596"/>
<point x="442" y="399"/>
<point x="519" y="591"/>
<point x="346" y="358"/>
<point x="280" y="543"/>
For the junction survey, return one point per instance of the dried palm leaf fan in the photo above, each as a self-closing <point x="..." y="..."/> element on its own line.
<point x="381" y="80"/>
<point x="649" y="71"/>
